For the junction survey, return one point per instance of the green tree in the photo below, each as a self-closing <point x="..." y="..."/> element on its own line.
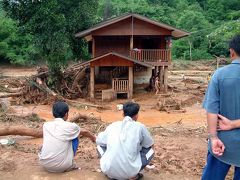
<point x="53" y="24"/>
<point x="218" y="39"/>
<point x="15" y="46"/>
<point x="195" y="22"/>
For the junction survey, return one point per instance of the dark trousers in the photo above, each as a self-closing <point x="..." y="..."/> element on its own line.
<point x="146" y="154"/>
<point x="217" y="170"/>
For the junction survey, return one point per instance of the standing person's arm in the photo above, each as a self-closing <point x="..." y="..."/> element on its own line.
<point x="217" y="145"/>
<point x="225" y="124"/>
<point x="212" y="105"/>
<point x="212" y="120"/>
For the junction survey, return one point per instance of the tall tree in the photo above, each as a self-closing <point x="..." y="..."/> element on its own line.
<point x="53" y="24"/>
<point x="15" y="46"/>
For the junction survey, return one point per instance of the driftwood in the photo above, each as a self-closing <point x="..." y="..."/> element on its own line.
<point x="9" y="90"/>
<point x="38" y="133"/>
<point x="80" y="75"/>
<point x="11" y="95"/>
<point x="73" y="83"/>
<point x="21" y="130"/>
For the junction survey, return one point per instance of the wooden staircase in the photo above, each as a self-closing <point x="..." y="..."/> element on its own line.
<point x="98" y="90"/>
<point x="98" y="94"/>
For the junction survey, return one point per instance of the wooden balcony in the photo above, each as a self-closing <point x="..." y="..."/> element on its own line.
<point x="151" y="55"/>
<point x="120" y="85"/>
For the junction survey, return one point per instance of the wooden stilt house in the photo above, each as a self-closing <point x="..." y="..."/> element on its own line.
<point x="128" y="51"/>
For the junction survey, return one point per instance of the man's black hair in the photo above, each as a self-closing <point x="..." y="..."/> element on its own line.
<point x="235" y="44"/>
<point x="130" y="109"/>
<point x="59" y="109"/>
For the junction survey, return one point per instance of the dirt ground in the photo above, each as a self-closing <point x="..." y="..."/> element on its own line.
<point x="180" y="136"/>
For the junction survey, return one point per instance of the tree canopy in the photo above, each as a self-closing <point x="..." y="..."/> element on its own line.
<point x="31" y="30"/>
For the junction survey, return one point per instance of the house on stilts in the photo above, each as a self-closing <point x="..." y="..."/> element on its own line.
<point x="127" y="51"/>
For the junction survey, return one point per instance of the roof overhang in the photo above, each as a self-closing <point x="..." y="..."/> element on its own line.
<point x="176" y="33"/>
<point x="108" y="55"/>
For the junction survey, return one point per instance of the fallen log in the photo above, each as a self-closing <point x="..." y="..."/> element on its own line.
<point x="37" y="133"/>
<point x="10" y="90"/>
<point x="21" y="130"/>
<point x="11" y="95"/>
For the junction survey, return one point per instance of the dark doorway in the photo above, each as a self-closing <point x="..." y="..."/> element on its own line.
<point x="122" y="95"/>
<point x="149" y="43"/>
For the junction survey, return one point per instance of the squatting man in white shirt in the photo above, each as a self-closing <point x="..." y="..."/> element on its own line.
<point x="126" y="146"/>
<point x="60" y="141"/>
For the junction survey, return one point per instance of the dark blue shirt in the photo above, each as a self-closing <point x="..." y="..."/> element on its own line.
<point x="223" y="97"/>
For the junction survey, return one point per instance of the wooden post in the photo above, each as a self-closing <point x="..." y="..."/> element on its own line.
<point x="161" y="75"/>
<point x="92" y="78"/>
<point x="170" y="56"/>
<point x="130" y="79"/>
<point x="155" y="71"/>
<point x="165" y="79"/>
<point x="131" y="42"/>
<point x="93" y="47"/>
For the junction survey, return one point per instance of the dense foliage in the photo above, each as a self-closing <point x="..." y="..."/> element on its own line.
<point x="15" y="46"/>
<point x="44" y="29"/>
<point x="211" y="22"/>
<point x="52" y="24"/>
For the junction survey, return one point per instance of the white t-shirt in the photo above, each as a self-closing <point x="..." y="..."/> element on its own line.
<point x="124" y="140"/>
<point x="57" y="152"/>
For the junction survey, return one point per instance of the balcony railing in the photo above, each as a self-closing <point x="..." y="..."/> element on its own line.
<point x="120" y="85"/>
<point x="151" y="55"/>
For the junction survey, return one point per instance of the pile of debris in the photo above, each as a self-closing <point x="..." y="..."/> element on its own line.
<point x="72" y="83"/>
<point x="167" y="103"/>
<point x="31" y="124"/>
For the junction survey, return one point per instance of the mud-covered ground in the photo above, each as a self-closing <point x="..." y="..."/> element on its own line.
<point x="180" y="136"/>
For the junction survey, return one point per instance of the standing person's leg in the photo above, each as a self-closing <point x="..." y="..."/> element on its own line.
<point x="146" y="156"/>
<point x="236" y="173"/>
<point x="215" y="169"/>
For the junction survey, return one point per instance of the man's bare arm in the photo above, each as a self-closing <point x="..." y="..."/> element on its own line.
<point x="216" y="144"/>
<point x="226" y="124"/>
<point x="88" y="134"/>
<point x="212" y="120"/>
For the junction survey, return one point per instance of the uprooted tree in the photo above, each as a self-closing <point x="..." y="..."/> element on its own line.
<point x="31" y="125"/>
<point x="73" y="84"/>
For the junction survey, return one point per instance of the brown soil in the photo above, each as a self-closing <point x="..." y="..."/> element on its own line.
<point x="180" y="138"/>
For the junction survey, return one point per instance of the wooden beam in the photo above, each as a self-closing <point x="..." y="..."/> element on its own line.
<point x="130" y="77"/>
<point x="155" y="71"/>
<point x="165" y="78"/>
<point x="170" y="56"/>
<point x="159" y="63"/>
<point x="93" y="47"/>
<point x="92" y="69"/>
<point x="161" y="75"/>
<point x="88" y="38"/>
<point x="131" y="42"/>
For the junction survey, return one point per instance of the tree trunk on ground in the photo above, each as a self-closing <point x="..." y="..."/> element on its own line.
<point x="38" y="133"/>
<point x="21" y="130"/>
<point x="79" y="76"/>
<point x="11" y="95"/>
